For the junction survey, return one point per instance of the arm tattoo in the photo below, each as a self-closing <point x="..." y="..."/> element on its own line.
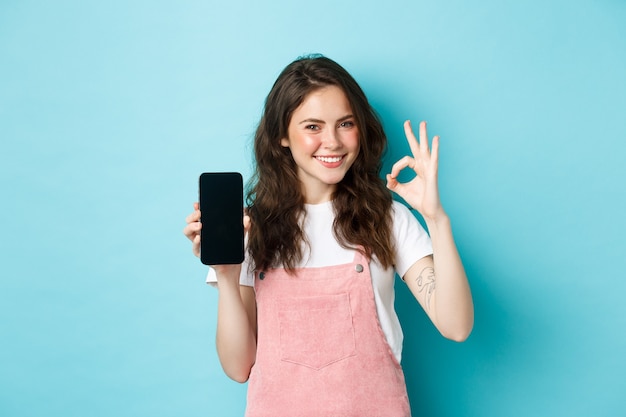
<point x="426" y="283"/>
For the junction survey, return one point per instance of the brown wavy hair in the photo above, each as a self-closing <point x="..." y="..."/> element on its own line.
<point x="361" y="202"/>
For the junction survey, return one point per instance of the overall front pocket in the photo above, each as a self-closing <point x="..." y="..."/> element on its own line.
<point x="316" y="331"/>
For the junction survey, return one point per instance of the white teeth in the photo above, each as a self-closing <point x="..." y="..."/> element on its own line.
<point x="328" y="159"/>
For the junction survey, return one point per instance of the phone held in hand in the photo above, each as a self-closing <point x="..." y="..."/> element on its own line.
<point x="221" y="207"/>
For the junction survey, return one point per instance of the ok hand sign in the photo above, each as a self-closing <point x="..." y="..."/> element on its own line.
<point x="422" y="192"/>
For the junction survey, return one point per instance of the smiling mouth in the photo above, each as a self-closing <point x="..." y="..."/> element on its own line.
<point x="329" y="159"/>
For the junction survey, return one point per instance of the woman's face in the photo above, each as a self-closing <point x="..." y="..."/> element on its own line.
<point x="324" y="141"/>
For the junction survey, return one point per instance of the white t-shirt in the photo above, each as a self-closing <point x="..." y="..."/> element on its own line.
<point x="411" y="243"/>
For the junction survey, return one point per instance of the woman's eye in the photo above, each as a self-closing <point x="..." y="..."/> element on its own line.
<point x="312" y="127"/>
<point x="347" y="124"/>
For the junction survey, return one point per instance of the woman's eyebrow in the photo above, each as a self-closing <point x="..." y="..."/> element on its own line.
<point x="319" y="121"/>
<point x="312" y="120"/>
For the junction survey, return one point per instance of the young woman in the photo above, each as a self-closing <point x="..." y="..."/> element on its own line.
<point x="308" y="319"/>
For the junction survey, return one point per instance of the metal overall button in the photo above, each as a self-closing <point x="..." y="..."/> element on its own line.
<point x="358" y="268"/>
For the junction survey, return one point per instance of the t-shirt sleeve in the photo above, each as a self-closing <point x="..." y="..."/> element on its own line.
<point x="412" y="242"/>
<point x="245" y="278"/>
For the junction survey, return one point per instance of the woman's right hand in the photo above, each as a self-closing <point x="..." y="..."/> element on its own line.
<point x="192" y="230"/>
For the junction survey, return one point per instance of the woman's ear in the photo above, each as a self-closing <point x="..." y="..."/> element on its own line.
<point x="284" y="142"/>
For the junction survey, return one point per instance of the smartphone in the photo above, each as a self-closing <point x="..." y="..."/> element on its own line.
<point x="221" y="208"/>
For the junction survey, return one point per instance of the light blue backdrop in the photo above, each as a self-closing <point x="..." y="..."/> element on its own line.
<point x="110" y="110"/>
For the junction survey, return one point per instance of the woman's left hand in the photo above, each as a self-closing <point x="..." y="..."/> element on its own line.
<point x="422" y="192"/>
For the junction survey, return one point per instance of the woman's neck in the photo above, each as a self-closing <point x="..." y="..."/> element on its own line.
<point x="319" y="195"/>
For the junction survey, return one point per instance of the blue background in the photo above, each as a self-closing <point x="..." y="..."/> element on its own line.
<point x="109" y="111"/>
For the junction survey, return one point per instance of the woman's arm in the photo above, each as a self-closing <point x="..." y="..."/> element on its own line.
<point x="236" y="324"/>
<point x="236" y="310"/>
<point x="439" y="281"/>
<point x="440" y="285"/>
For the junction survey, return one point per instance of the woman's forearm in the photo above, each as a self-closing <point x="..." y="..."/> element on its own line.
<point x="236" y="328"/>
<point x="453" y="308"/>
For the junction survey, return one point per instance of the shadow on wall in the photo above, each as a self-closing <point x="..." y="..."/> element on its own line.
<point x="446" y="378"/>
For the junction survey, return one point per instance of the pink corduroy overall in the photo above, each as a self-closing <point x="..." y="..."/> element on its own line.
<point x="321" y="351"/>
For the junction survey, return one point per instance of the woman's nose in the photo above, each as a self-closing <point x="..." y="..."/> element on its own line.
<point x="330" y="140"/>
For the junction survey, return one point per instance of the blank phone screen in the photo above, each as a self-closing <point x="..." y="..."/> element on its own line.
<point x="221" y="207"/>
